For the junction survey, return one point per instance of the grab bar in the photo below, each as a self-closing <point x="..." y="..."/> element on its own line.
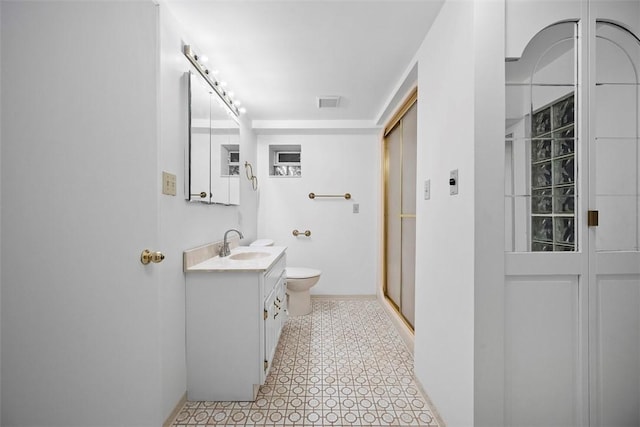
<point x="345" y="195"/>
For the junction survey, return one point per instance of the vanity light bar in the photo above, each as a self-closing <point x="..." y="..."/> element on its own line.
<point x="207" y="75"/>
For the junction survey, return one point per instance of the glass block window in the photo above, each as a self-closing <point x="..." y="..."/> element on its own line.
<point x="234" y="163"/>
<point x="287" y="171"/>
<point x="285" y="161"/>
<point x="553" y="173"/>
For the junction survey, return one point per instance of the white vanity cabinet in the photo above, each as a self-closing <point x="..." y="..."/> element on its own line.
<point x="275" y="314"/>
<point x="233" y="318"/>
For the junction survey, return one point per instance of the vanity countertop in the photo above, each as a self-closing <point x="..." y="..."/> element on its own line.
<point x="267" y="256"/>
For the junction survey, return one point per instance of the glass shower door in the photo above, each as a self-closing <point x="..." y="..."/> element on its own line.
<point x="400" y="218"/>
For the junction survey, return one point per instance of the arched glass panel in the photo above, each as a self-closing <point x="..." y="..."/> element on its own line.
<point x="541" y="143"/>
<point x="616" y="133"/>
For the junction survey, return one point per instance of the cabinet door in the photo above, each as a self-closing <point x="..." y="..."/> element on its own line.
<point x="281" y="305"/>
<point x="270" y="329"/>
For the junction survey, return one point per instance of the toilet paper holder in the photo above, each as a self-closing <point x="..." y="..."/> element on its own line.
<point x="297" y="233"/>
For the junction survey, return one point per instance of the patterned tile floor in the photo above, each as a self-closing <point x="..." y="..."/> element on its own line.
<point x="342" y="365"/>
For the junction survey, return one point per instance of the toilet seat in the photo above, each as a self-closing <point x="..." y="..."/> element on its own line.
<point x="301" y="272"/>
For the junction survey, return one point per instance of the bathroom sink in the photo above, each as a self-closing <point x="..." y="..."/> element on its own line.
<point x="243" y="256"/>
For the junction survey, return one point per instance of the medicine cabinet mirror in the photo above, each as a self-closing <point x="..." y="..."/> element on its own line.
<point x="213" y="152"/>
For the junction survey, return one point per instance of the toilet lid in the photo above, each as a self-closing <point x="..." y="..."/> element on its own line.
<point x="301" y="272"/>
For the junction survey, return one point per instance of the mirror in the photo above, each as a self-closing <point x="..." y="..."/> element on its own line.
<point x="540" y="143"/>
<point x="213" y="169"/>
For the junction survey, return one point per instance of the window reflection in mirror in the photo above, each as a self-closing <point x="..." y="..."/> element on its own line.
<point x="214" y="148"/>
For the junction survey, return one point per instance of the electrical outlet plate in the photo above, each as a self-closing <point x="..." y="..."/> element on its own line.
<point x="356" y="208"/>
<point x="427" y="189"/>
<point x="168" y="184"/>
<point x="453" y="185"/>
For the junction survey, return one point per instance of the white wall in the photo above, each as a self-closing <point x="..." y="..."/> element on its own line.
<point x="489" y="215"/>
<point x="185" y="225"/>
<point x="0" y="213"/>
<point x="248" y="196"/>
<point x="343" y="245"/>
<point x="444" y="345"/>
<point x="174" y="229"/>
<point x="460" y="238"/>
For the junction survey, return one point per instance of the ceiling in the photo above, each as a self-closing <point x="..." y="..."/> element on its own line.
<point x="277" y="57"/>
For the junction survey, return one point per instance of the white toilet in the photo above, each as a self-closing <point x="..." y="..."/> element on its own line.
<point x="299" y="283"/>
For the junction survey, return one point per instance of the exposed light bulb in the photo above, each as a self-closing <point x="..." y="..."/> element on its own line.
<point x="243" y="110"/>
<point x="225" y="97"/>
<point x="237" y="102"/>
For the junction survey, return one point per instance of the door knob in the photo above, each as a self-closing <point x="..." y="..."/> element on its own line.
<point x="147" y="256"/>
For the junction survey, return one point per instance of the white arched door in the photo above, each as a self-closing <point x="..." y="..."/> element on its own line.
<point x="614" y="244"/>
<point x="572" y="239"/>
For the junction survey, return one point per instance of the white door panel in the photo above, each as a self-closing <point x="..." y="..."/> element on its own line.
<point x="80" y="314"/>
<point x="545" y="309"/>
<point x="542" y="351"/>
<point x="617" y="345"/>
<point x="614" y="288"/>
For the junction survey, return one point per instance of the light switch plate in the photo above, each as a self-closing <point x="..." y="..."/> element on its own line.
<point x="453" y="182"/>
<point x="168" y="184"/>
<point x="427" y="189"/>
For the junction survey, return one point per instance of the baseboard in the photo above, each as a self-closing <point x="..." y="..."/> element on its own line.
<point x="408" y="336"/>
<point x="357" y="297"/>
<point x="176" y="410"/>
<point x="401" y="326"/>
<point x="432" y="407"/>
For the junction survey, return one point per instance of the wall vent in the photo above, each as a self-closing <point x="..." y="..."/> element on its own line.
<point x="328" y="101"/>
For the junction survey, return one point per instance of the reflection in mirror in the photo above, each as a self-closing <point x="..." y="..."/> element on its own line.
<point x="199" y="141"/>
<point x="214" y="148"/>
<point x="617" y="138"/>
<point x="541" y="143"/>
<point x="225" y="158"/>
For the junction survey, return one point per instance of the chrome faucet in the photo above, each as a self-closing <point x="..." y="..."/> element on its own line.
<point x="224" y="249"/>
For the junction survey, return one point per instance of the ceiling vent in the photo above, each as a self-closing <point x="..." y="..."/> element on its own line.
<point x="328" y="101"/>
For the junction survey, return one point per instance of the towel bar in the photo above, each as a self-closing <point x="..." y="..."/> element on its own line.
<point x="345" y="195"/>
